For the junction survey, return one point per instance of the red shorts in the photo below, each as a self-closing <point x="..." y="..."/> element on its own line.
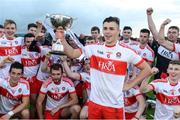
<point x="38" y="85"/>
<point x="86" y="103"/>
<point x="32" y="84"/>
<point x="129" y="115"/>
<point x="96" y="111"/>
<point x="56" y="116"/>
<point x="79" y="90"/>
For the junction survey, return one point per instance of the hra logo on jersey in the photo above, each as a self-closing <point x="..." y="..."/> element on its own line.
<point x="109" y="66"/>
<point x="12" y="51"/>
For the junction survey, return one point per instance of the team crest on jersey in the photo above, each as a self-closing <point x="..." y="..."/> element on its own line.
<point x="109" y="54"/>
<point x="118" y="55"/>
<point x="144" y="54"/>
<point x="20" y="90"/>
<point x="63" y="88"/>
<point x="16" y="42"/>
<point x="179" y="90"/>
<point x="172" y="92"/>
<point x="31" y="55"/>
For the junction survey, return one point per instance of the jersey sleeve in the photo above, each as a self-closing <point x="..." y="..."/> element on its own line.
<point x="26" y="89"/>
<point x="84" y="77"/>
<point x="43" y="89"/>
<point x="176" y="48"/>
<point x="136" y="91"/>
<point x="135" y="58"/>
<point x="87" y="50"/>
<point x="71" y="88"/>
<point x="154" y="84"/>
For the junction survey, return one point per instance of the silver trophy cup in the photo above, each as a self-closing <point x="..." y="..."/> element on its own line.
<point x="57" y="20"/>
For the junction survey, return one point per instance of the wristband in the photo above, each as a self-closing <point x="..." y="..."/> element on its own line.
<point x="11" y="113"/>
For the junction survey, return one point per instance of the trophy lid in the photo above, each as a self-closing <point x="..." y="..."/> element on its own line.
<point x="60" y="20"/>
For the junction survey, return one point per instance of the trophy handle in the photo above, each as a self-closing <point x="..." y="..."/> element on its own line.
<point x="75" y="39"/>
<point x="49" y="28"/>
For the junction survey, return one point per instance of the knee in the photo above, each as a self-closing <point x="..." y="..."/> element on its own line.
<point x="83" y="115"/>
<point x="25" y="114"/>
<point x="75" y="109"/>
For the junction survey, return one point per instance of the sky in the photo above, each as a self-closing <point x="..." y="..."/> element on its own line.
<point x="88" y="13"/>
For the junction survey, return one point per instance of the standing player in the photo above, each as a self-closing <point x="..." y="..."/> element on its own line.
<point x="108" y="63"/>
<point x="10" y="47"/>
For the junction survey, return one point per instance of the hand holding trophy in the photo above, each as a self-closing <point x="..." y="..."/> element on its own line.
<point x="59" y="23"/>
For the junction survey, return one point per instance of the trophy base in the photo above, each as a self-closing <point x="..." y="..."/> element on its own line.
<point x="57" y="52"/>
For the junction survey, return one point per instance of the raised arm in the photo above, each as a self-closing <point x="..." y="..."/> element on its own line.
<point x="151" y="24"/>
<point x="68" y="71"/>
<point x="145" y="87"/>
<point x="70" y="52"/>
<point x="45" y="68"/>
<point x="167" y="44"/>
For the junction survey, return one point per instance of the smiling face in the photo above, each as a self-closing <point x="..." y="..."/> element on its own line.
<point x="111" y="32"/>
<point x="10" y="30"/>
<point x="127" y="34"/>
<point x="174" y="72"/>
<point x="172" y="34"/>
<point x="56" y="75"/>
<point x="15" y="74"/>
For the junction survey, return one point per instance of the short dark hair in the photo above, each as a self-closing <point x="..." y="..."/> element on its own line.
<point x="94" y="28"/>
<point x="1" y="26"/>
<point x="174" y="27"/>
<point x="127" y="28"/>
<point x="89" y="38"/>
<point x="28" y="35"/>
<point x="56" y="66"/>
<point x="31" y="25"/>
<point x="174" y="62"/>
<point x="9" y="21"/>
<point x="16" y="65"/>
<point x="144" y="30"/>
<point x="112" y="19"/>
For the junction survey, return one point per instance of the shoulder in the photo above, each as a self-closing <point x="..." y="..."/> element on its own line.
<point x="124" y="46"/>
<point x="68" y="81"/>
<point x="150" y="49"/>
<point x="160" y="81"/>
<point x="24" y="82"/>
<point x="47" y="83"/>
<point x="134" y="43"/>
